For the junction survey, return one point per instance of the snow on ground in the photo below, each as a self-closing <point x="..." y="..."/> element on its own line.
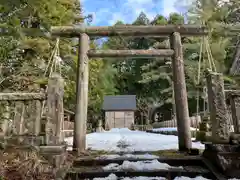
<point x="125" y="156"/>
<point x="125" y="140"/>
<point x="188" y="178"/>
<point x="114" y="177"/>
<point x="169" y="129"/>
<point x="152" y="165"/>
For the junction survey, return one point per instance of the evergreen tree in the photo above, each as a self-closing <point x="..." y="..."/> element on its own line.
<point x="27" y="47"/>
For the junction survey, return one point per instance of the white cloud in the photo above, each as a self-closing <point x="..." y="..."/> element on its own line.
<point x="117" y="17"/>
<point x="138" y="2"/>
<point x="103" y="13"/>
<point x="128" y="10"/>
<point x="140" y="5"/>
<point x="132" y="8"/>
<point x="168" y="7"/>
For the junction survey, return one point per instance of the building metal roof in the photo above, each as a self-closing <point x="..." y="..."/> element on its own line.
<point x="119" y="102"/>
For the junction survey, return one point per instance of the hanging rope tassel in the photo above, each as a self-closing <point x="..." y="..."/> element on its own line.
<point x="205" y="47"/>
<point x="199" y="75"/>
<point x="55" y="62"/>
<point x="210" y="57"/>
<point x="51" y="59"/>
<point x="211" y="65"/>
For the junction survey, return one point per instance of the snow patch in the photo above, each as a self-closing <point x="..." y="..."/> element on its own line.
<point x="152" y="165"/>
<point x="187" y="178"/>
<point x="125" y="140"/>
<point x="133" y="156"/>
<point x="144" y="178"/>
<point x="119" y="130"/>
<point x="114" y="177"/>
<point x="110" y="177"/>
<point x="169" y="129"/>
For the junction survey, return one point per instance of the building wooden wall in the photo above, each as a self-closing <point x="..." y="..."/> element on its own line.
<point x="68" y="128"/>
<point x="119" y="119"/>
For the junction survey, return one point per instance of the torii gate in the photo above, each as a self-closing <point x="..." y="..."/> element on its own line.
<point x="176" y="52"/>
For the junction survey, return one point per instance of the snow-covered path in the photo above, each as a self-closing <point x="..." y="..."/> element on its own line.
<point x="125" y="140"/>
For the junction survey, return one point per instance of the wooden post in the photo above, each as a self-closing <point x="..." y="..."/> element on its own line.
<point x="55" y="114"/>
<point x="79" y="143"/>
<point x="174" y="121"/>
<point x="218" y="108"/>
<point x="198" y="120"/>
<point x="180" y="94"/>
<point x="235" y="108"/>
<point x="37" y="124"/>
<point x="191" y="120"/>
<point x="173" y="101"/>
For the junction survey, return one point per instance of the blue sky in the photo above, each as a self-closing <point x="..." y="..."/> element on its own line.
<point x="107" y="12"/>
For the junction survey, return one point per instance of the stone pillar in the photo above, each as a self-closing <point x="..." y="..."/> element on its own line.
<point x="4" y="123"/>
<point x="37" y="117"/>
<point x="218" y="108"/>
<point x="204" y="129"/>
<point x="18" y="120"/>
<point x="31" y="117"/>
<point x="235" y="108"/>
<point x="99" y="128"/>
<point x="55" y="112"/>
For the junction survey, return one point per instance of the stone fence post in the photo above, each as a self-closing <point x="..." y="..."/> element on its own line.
<point x="55" y="111"/>
<point x="218" y="108"/>
<point x="235" y="109"/>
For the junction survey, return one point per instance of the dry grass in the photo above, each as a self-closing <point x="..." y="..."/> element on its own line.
<point x="168" y="153"/>
<point x="89" y="154"/>
<point x="25" y="164"/>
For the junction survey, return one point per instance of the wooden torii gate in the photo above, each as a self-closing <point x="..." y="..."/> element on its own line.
<point x="176" y="52"/>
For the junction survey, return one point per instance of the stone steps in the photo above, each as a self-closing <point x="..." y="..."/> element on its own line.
<point x="90" y="168"/>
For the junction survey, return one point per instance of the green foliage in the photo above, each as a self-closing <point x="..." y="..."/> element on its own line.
<point x="176" y="18"/>
<point x="151" y="80"/>
<point x="158" y="72"/>
<point x="25" y="48"/>
<point x="25" y="55"/>
<point x="159" y="19"/>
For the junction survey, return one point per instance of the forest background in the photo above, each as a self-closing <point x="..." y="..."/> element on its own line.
<point x="26" y="47"/>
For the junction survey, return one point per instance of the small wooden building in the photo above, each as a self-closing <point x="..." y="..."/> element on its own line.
<point x="119" y="111"/>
